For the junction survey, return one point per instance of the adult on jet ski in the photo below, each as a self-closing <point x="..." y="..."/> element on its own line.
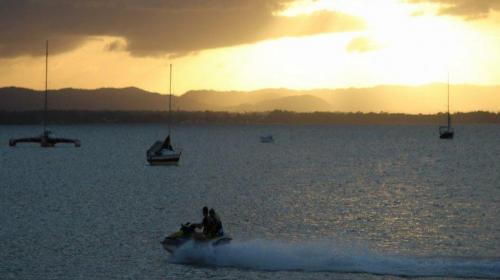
<point x="207" y="223"/>
<point x="213" y="234"/>
<point x="216" y="229"/>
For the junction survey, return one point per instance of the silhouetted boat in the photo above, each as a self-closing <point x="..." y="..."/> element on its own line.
<point x="446" y="132"/>
<point x="162" y="152"/>
<point x="267" y="139"/>
<point x="44" y="139"/>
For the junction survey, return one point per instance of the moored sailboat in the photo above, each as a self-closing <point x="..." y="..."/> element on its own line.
<point x="162" y="152"/>
<point x="447" y="132"/>
<point x="45" y="139"/>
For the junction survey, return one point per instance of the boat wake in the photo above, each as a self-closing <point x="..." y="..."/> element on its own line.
<point x="324" y="257"/>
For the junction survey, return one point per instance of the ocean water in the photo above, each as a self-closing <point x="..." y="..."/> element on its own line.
<point x="322" y="202"/>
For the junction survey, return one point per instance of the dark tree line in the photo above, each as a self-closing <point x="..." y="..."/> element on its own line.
<point x="210" y="117"/>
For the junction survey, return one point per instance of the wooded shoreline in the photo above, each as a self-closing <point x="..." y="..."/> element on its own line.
<point x="273" y="117"/>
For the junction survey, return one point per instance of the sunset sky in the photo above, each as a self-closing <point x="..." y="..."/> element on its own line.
<point x="249" y="44"/>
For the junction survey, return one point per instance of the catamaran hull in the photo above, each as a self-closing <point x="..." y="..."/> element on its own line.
<point x="45" y="142"/>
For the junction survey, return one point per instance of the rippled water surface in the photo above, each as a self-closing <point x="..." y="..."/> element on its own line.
<point x="339" y="202"/>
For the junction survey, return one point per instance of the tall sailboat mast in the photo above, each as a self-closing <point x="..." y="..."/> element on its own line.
<point x="446" y="132"/>
<point x="170" y="102"/>
<point x="449" y="119"/>
<point x="46" y="81"/>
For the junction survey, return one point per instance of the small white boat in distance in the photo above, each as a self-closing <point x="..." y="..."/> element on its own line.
<point x="267" y="139"/>
<point x="162" y="153"/>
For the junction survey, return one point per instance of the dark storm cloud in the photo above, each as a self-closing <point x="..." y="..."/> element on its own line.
<point x="469" y="9"/>
<point x="155" y="27"/>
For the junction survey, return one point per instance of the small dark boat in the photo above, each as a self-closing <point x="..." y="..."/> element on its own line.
<point x="447" y="132"/>
<point x="45" y="140"/>
<point x="267" y="139"/>
<point x="188" y="233"/>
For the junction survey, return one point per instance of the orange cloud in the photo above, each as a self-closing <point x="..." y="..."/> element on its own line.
<point x="469" y="9"/>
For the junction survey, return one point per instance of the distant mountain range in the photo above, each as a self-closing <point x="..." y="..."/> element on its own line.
<point x="406" y="99"/>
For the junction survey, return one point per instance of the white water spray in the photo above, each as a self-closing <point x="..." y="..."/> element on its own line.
<point x="321" y="256"/>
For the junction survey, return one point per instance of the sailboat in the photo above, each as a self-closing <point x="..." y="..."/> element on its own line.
<point x="45" y="139"/>
<point x="162" y="152"/>
<point x="446" y="132"/>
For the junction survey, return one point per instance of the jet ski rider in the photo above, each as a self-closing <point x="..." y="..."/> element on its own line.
<point x="216" y="228"/>
<point x="206" y="224"/>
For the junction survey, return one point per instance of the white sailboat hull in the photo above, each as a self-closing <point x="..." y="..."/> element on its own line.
<point x="159" y="155"/>
<point x="165" y="159"/>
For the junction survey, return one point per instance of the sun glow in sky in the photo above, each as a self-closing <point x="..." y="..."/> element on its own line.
<point x="398" y="43"/>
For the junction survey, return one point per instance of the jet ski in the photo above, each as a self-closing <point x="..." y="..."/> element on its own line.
<point x="188" y="233"/>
